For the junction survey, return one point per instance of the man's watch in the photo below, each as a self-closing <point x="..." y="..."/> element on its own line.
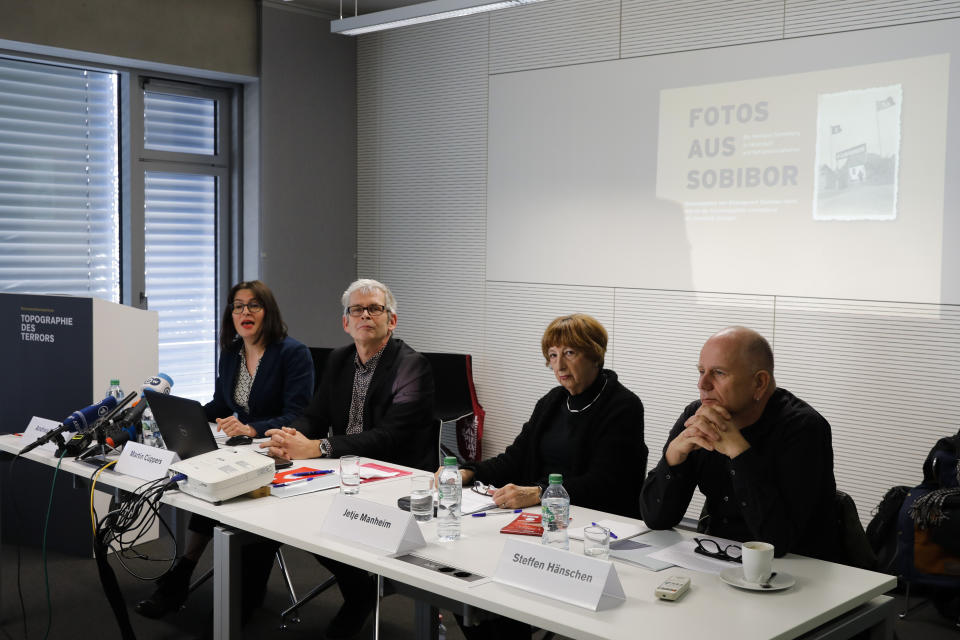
<point x="325" y="448"/>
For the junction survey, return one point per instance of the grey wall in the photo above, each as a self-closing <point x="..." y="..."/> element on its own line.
<point x="308" y="170"/>
<point x="297" y="221"/>
<point x="884" y="373"/>
<point x="217" y="35"/>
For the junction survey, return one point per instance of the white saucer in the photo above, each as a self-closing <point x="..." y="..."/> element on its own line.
<point x="734" y="577"/>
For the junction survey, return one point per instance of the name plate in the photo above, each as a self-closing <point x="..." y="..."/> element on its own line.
<point x="39" y="427"/>
<point x="570" y="577"/>
<point x="376" y="525"/>
<point x="144" y="462"/>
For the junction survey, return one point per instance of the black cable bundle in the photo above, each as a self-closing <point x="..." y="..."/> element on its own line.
<point x="123" y="527"/>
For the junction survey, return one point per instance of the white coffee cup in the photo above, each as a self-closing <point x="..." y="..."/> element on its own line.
<point x="757" y="559"/>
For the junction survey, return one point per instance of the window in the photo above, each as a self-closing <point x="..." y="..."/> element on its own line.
<point x="59" y="203"/>
<point x="183" y="164"/>
<point x="117" y="186"/>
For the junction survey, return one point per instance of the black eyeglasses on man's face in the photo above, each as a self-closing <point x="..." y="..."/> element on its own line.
<point x="712" y="549"/>
<point x="356" y="310"/>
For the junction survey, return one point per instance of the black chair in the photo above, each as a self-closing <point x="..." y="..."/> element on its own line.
<point x="319" y="355"/>
<point x="855" y="548"/>
<point x="456" y="406"/>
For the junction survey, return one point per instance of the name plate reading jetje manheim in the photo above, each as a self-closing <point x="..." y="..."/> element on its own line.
<point x="586" y="582"/>
<point x="376" y="525"/>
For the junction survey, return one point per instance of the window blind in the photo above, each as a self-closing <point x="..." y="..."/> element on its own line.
<point x="180" y="241"/>
<point x="179" y="123"/>
<point x="180" y="263"/>
<point x="59" y="177"/>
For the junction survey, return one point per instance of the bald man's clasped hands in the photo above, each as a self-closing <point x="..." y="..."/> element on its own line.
<point x="710" y="428"/>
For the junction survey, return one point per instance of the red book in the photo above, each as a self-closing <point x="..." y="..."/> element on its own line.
<point x="289" y="475"/>
<point x="525" y="524"/>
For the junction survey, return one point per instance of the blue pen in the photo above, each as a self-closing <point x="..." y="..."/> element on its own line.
<point x="612" y="534"/>
<point x="297" y="481"/>
<point x="318" y="472"/>
<point x="484" y="514"/>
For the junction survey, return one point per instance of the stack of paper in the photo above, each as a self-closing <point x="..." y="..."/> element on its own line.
<point x="473" y="502"/>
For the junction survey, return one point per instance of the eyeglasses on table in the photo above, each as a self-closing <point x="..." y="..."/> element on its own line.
<point x="712" y="549"/>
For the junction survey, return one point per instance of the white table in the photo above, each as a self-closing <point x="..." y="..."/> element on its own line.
<point x="829" y="600"/>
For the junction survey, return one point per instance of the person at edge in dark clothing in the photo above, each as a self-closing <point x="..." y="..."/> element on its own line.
<point x="590" y="429"/>
<point x="762" y="457"/>
<point x="375" y="400"/>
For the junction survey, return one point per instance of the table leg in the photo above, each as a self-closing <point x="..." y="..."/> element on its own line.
<point x="425" y="617"/>
<point x="376" y="609"/>
<point x="227" y="577"/>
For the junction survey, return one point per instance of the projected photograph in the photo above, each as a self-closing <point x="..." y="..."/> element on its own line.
<point x="858" y="154"/>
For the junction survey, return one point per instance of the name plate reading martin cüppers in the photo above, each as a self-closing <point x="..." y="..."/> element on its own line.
<point x="376" y="525"/>
<point x="570" y="577"/>
<point x="145" y="462"/>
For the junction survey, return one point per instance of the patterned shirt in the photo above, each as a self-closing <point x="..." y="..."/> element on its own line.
<point x="362" y="375"/>
<point x="241" y="390"/>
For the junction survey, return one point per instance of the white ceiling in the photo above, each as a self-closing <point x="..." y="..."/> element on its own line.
<point x="362" y="6"/>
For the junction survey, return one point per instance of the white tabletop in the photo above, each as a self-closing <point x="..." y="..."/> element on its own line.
<point x="711" y="609"/>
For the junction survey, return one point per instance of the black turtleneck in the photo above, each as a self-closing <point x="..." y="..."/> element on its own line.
<point x="560" y="435"/>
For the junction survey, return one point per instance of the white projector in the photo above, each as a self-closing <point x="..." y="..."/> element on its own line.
<point x="223" y="474"/>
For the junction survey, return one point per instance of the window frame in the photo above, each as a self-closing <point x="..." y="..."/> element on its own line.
<point x="223" y="165"/>
<point x="227" y="164"/>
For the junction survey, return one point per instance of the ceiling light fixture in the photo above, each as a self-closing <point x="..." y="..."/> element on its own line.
<point x="418" y="14"/>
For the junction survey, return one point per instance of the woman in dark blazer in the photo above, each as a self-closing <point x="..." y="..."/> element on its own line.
<point x="264" y="380"/>
<point x="265" y="377"/>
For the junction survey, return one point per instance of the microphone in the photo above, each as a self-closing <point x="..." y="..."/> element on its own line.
<point x="129" y="420"/>
<point x="77" y="421"/>
<point x="76" y="445"/>
<point x="119" y="440"/>
<point x="85" y="418"/>
<point x="160" y="383"/>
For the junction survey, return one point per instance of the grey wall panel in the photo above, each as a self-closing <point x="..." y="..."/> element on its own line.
<point x="514" y="374"/>
<point x="369" y="171"/>
<point x="308" y="169"/>
<point x="810" y="17"/>
<point x="554" y="33"/>
<point x="884" y="374"/>
<point x="660" y="334"/>
<point x="216" y="35"/>
<point x="422" y="215"/>
<point x="663" y="26"/>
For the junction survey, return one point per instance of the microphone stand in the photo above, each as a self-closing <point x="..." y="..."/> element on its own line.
<point x="100" y="431"/>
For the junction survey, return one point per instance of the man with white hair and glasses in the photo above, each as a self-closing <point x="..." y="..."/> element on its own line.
<point x="375" y="400"/>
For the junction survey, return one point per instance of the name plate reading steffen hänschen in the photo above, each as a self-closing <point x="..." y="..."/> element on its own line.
<point x="375" y="525"/>
<point x="144" y="462"/>
<point x="586" y="582"/>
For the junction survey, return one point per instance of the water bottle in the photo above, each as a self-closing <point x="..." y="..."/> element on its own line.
<point x="150" y="432"/>
<point x="556" y="513"/>
<point x="448" y="492"/>
<point x="115" y="390"/>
